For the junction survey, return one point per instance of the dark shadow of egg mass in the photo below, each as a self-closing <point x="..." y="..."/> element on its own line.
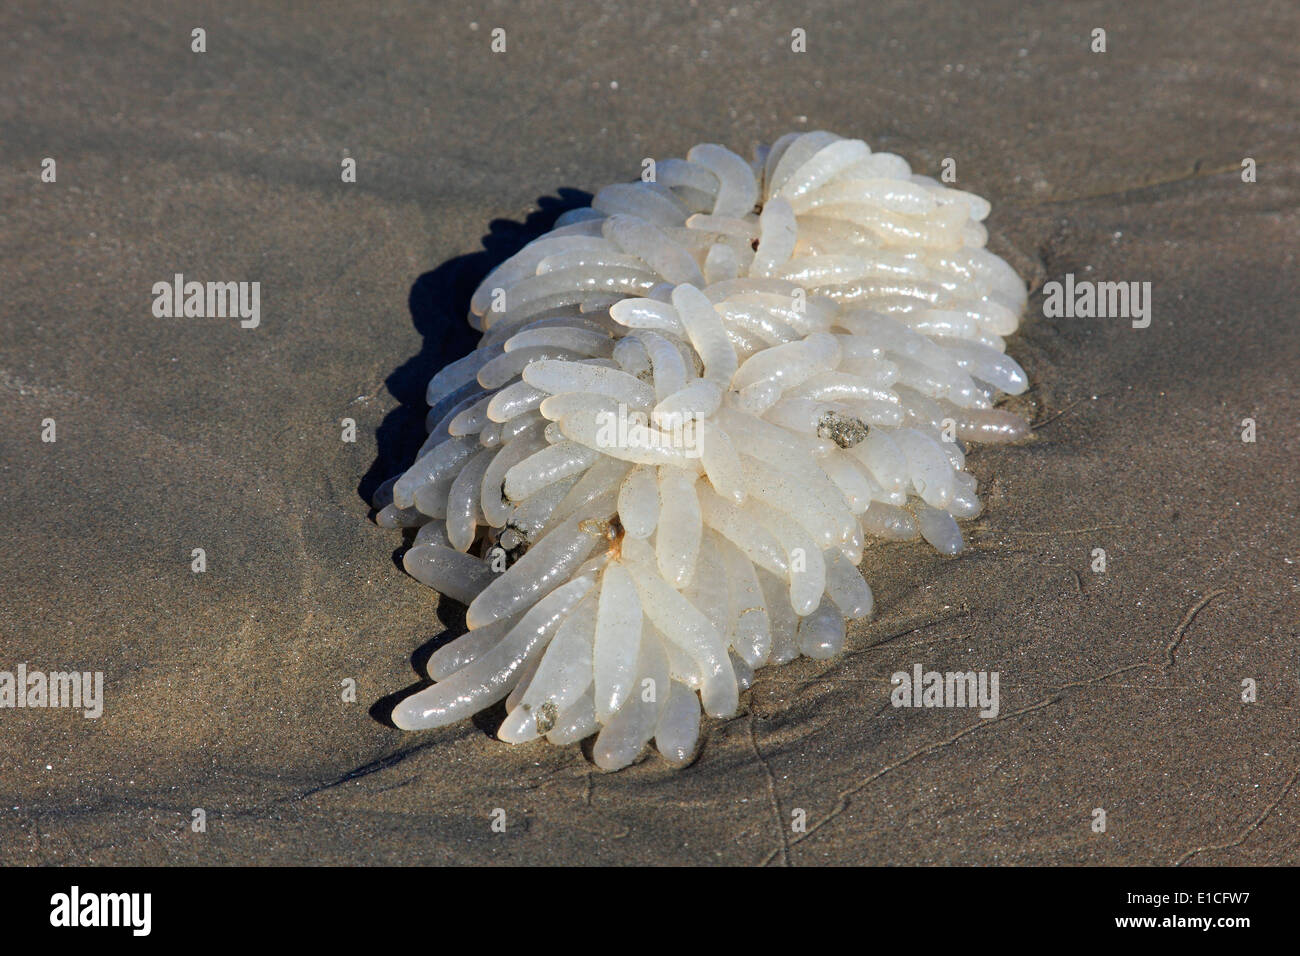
<point x="439" y="303"/>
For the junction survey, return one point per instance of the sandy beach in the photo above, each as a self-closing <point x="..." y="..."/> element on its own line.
<point x="223" y="691"/>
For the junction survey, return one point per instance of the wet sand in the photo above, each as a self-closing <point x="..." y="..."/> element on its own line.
<point x="1119" y="690"/>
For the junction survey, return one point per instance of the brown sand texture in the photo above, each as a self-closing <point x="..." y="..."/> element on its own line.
<point x="1120" y="691"/>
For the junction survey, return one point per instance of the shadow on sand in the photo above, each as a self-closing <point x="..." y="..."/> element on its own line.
<point x="439" y="303"/>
